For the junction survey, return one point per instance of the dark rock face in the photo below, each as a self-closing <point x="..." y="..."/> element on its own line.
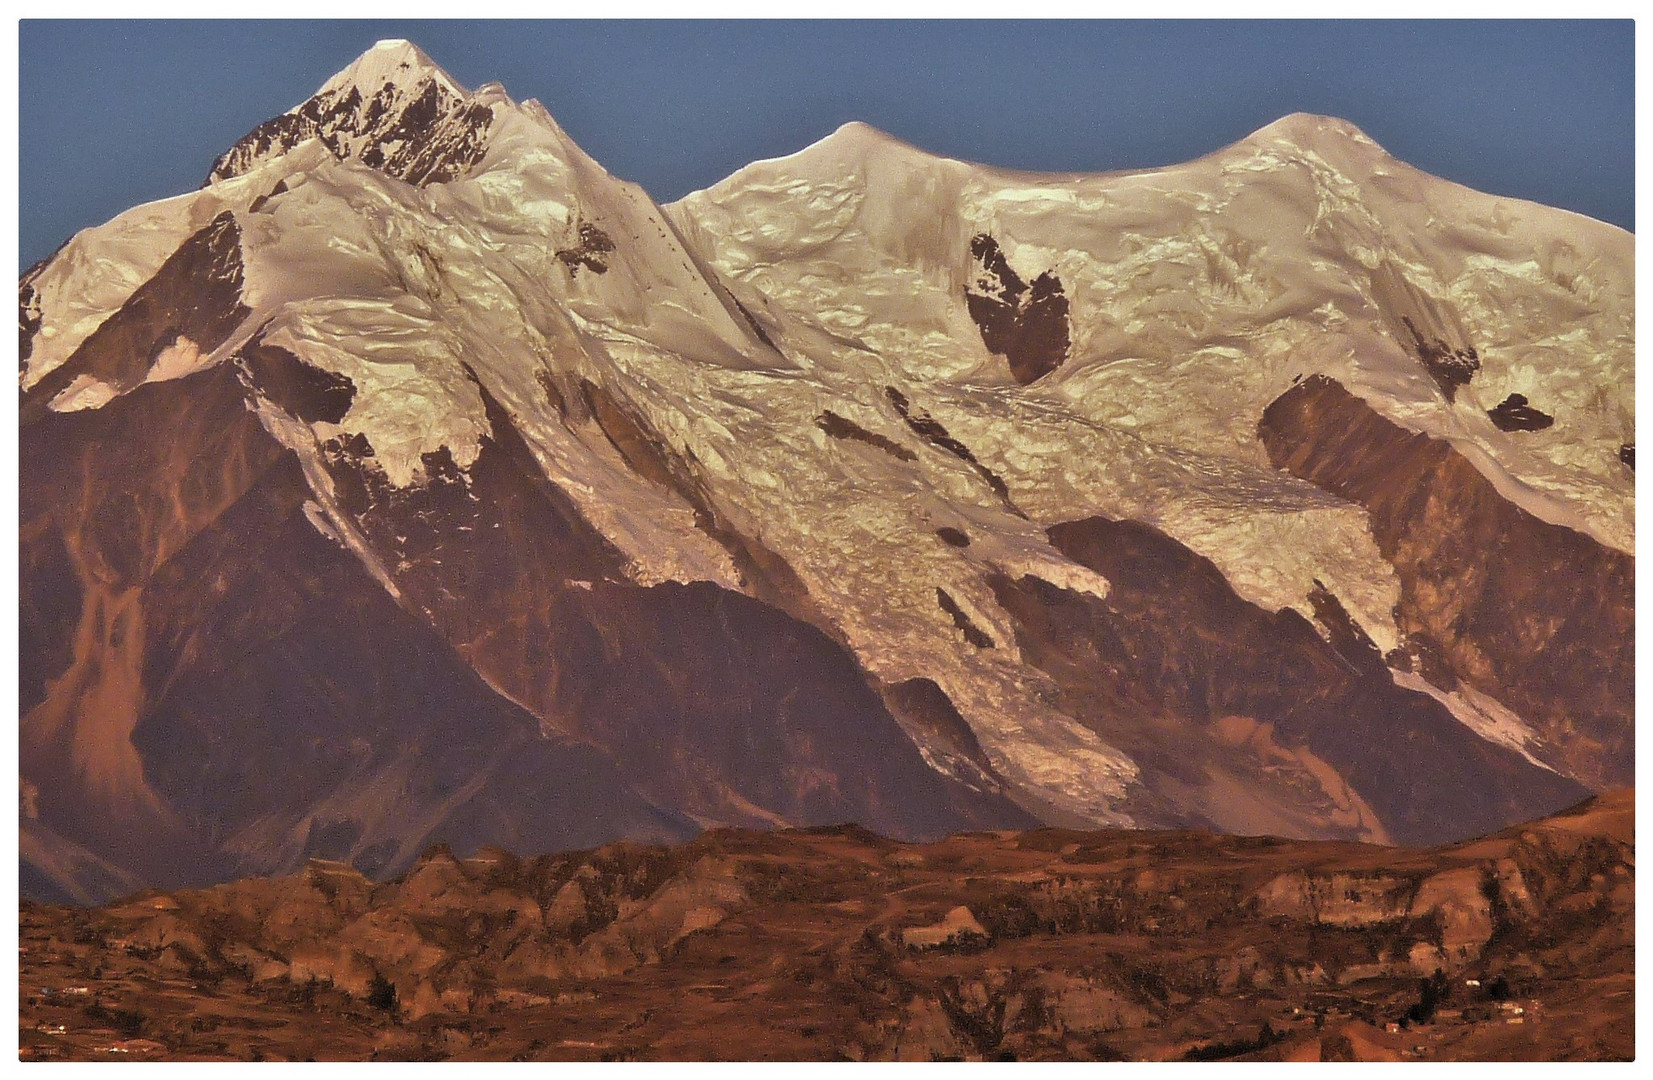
<point x="921" y="704"/>
<point x="28" y="321"/>
<point x="590" y="251"/>
<point x="1536" y="615"/>
<point x="1449" y="367"/>
<point x="1627" y="454"/>
<point x="752" y="321"/>
<point x="643" y="450"/>
<point x="1028" y="326"/>
<point x="953" y="537"/>
<point x="972" y="633"/>
<point x="842" y="428"/>
<point x="28" y="307"/>
<point x="262" y="201"/>
<point x="472" y="547"/>
<point x="1514" y="414"/>
<point x="300" y="390"/>
<point x="1346" y="636"/>
<point x="425" y="135"/>
<point x="1189" y="679"/>
<point x="195" y="296"/>
<point x="933" y="432"/>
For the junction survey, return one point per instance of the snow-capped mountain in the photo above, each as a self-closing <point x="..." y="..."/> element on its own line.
<point x="416" y="480"/>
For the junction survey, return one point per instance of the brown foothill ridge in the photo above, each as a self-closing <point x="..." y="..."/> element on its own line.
<point x="836" y="943"/>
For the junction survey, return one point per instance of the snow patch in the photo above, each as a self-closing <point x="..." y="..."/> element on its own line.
<point x="85" y="392"/>
<point x="1064" y="575"/>
<point x="314" y="513"/>
<point x="183" y="357"/>
<point x="1484" y="715"/>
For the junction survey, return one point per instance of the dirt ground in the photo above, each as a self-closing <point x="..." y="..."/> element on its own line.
<point x="835" y="944"/>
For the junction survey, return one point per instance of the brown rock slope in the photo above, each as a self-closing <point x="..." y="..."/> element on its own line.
<point x="1248" y="719"/>
<point x="192" y="302"/>
<point x="835" y="943"/>
<point x="1537" y="615"/>
<point x="214" y="682"/>
<point x="235" y="692"/>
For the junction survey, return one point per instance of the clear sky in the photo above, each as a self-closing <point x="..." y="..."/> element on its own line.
<point x="117" y="113"/>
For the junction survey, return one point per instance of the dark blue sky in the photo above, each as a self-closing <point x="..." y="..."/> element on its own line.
<point x="117" y="113"/>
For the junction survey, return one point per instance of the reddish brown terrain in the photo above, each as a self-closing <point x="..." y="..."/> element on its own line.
<point x="836" y="943"/>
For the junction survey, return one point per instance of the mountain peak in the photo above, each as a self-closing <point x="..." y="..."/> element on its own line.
<point x="849" y="145"/>
<point x="395" y="61"/>
<point x="392" y="109"/>
<point x="871" y="485"/>
<point x="861" y="137"/>
<point x="1311" y="131"/>
<point x="861" y="131"/>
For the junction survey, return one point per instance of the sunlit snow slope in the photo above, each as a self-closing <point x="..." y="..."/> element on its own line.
<point x="866" y="485"/>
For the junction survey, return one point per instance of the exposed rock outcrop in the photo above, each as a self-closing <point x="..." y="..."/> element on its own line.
<point x="1025" y="324"/>
<point x="191" y="305"/>
<point x="393" y="111"/>
<point x="1515" y="414"/>
<point x="1450" y="367"/>
<point x="590" y="250"/>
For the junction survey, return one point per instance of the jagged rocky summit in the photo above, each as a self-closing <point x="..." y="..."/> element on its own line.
<point x="417" y="481"/>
